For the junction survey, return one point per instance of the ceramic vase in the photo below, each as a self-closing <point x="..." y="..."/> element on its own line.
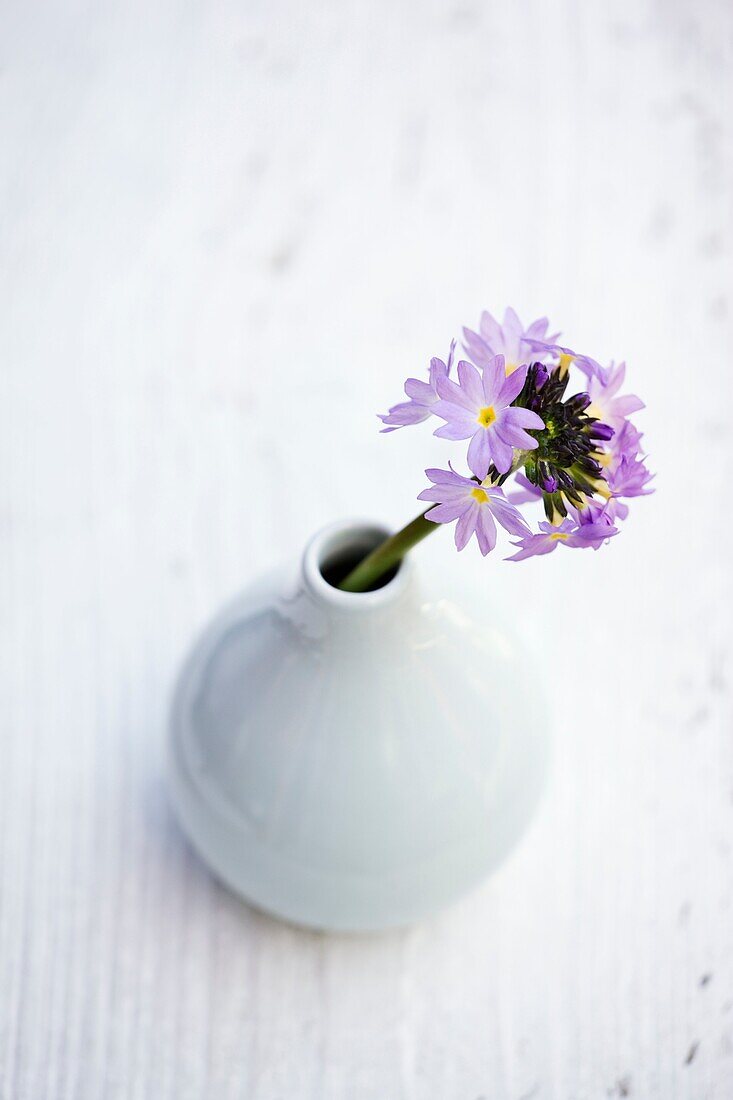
<point x="355" y="761"/>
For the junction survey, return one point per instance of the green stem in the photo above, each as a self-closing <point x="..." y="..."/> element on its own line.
<point x="388" y="554"/>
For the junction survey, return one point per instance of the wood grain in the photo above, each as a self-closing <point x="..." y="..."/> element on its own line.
<point x="229" y="231"/>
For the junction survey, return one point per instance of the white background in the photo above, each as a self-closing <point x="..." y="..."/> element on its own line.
<point x="229" y="231"/>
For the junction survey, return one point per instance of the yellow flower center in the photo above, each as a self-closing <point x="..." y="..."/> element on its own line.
<point x="486" y="416"/>
<point x="509" y="368"/>
<point x="559" y="536"/>
<point x="479" y="495"/>
<point x="565" y="361"/>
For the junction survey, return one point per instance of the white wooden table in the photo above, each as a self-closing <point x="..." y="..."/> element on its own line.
<point x="228" y="233"/>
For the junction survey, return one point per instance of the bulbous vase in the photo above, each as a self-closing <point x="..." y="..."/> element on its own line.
<point x="354" y="761"/>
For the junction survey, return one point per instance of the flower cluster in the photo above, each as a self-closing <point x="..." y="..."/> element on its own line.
<point x="579" y="454"/>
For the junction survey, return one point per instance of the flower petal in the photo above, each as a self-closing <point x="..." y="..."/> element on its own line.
<point x="522" y="418"/>
<point x="419" y="391"/>
<point x="512" y="325"/>
<point x="452" y="393"/>
<point x="466" y="526"/>
<point x="477" y="348"/>
<point x="448" y="477"/>
<point x="470" y="381"/>
<point x="443" y="494"/>
<point x="485" y="530"/>
<point x="510" y="518"/>
<point x="532" y="547"/>
<point x="457" y="429"/>
<point x="538" y="328"/>
<point x="511" y="387"/>
<point x="400" y="416"/>
<point x="446" y="513"/>
<point x="511" y="435"/>
<point x="626" y="405"/>
<point x="502" y="452"/>
<point x="479" y="453"/>
<point x="490" y="328"/>
<point x="494" y="375"/>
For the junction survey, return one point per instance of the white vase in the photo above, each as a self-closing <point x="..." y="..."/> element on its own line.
<point x="354" y="761"/>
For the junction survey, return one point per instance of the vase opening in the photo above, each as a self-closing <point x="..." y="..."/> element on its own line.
<point x="331" y="555"/>
<point x="336" y="563"/>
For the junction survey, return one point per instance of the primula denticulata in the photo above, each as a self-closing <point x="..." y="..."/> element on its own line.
<point x="524" y="441"/>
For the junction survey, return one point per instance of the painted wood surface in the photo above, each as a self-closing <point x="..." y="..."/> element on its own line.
<point x="228" y="233"/>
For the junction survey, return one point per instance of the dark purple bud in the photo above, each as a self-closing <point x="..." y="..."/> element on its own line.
<point x="541" y="376"/>
<point x="549" y="484"/>
<point x="580" y="402"/>
<point x="602" y="431"/>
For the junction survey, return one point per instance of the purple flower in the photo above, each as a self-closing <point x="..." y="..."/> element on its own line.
<point x="509" y="339"/>
<point x="629" y="479"/>
<point x="624" y="469"/>
<point x="566" y="356"/>
<point x="626" y="443"/>
<point x="474" y="506"/>
<point x="605" y="404"/>
<point x="569" y="533"/>
<point x="422" y="396"/>
<point x="479" y="408"/>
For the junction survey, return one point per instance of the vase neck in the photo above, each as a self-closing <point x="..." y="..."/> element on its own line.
<point x="333" y="552"/>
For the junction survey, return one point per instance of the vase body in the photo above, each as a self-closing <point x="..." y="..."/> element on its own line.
<point x="354" y="761"/>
